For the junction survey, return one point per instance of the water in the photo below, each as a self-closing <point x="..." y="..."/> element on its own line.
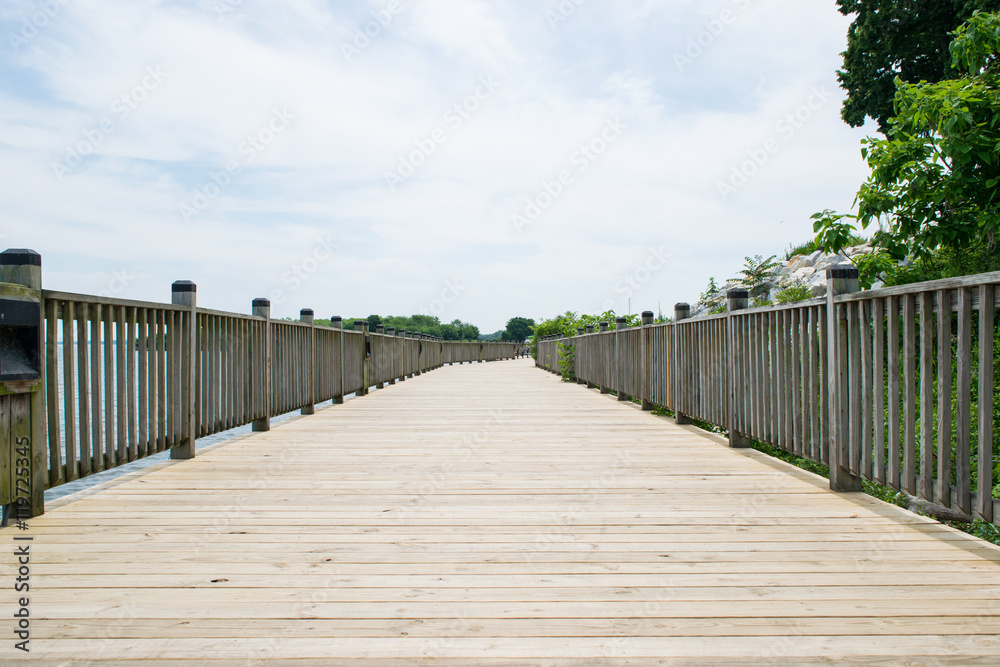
<point x="107" y="475"/>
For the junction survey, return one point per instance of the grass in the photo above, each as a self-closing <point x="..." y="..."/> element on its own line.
<point x="809" y="247"/>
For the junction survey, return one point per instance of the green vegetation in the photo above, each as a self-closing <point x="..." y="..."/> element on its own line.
<point x="811" y="246"/>
<point x="757" y="276"/>
<point x="518" y="330"/>
<point x="425" y="324"/>
<point x="890" y="39"/>
<point x="934" y="177"/>
<point x="793" y="293"/>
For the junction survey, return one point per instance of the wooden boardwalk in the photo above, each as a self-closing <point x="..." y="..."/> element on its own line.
<point x="489" y="515"/>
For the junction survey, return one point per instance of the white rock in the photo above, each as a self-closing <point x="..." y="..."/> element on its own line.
<point x="797" y="263"/>
<point x="817" y="279"/>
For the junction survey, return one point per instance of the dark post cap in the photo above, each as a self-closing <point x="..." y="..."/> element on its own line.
<point x="261" y="303"/>
<point x="360" y="323"/>
<point x="20" y="257"/>
<point x="336" y="318"/>
<point x="580" y="331"/>
<point x="842" y="273"/>
<point x="738" y="293"/>
<point x="604" y="324"/>
<point x="620" y="320"/>
<point x="648" y="313"/>
<point x="390" y="331"/>
<point x="183" y="286"/>
<point x="307" y="311"/>
<point x="682" y="306"/>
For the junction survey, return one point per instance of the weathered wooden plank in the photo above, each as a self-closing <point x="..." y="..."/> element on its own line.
<point x="143" y="381"/>
<point x="70" y="405"/>
<point x="985" y="400"/>
<point x="86" y="442"/>
<point x="878" y="390"/>
<point x="541" y="520"/>
<point x="108" y="346"/>
<point x="121" y="397"/>
<point x="854" y="390"/>
<point x="131" y="388"/>
<point x="927" y="395"/>
<point x="865" y="407"/>
<point x="96" y="391"/>
<point x="893" y="461"/>
<point x="56" y="473"/>
<point x="944" y="386"/>
<point x="909" y="480"/>
<point x="963" y="408"/>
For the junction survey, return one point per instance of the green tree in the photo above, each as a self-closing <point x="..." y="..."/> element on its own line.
<point x="758" y="277"/>
<point x="890" y="39"/>
<point x="934" y="178"/>
<point x="518" y="329"/>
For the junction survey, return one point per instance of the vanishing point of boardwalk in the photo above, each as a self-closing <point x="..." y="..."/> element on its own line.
<point x="489" y="515"/>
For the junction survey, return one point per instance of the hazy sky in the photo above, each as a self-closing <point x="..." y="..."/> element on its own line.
<point x="470" y="159"/>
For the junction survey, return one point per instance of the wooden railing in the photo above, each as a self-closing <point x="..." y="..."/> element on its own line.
<point x="120" y="380"/>
<point x="896" y="386"/>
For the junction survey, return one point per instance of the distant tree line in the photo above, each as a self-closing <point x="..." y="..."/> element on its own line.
<point x="518" y="328"/>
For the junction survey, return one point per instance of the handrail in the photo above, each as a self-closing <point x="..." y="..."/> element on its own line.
<point x="881" y="385"/>
<point x="123" y="379"/>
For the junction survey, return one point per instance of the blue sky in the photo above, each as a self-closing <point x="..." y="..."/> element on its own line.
<point x="477" y="160"/>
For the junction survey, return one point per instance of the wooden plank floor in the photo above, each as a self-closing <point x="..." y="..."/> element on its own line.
<point x="490" y="515"/>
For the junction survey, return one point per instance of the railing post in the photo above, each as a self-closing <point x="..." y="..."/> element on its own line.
<point x="590" y="330"/>
<point x="420" y="354"/>
<point x="644" y="360"/>
<point x="620" y="327"/>
<point x="736" y="300"/>
<point x="22" y="389"/>
<point x="840" y="280"/>
<point x="262" y="308"/>
<point x="579" y="332"/>
<point x="401" y="334"/>
<point x="391" y="333"/>
<point x="308" y="316"/>
<point x="362" y="327"/>
<point x="604" y="327"/>
<point x="337" y="323"/>
<point x="185" y="293"/>
<point x="682" y="311"/>
<point x="379" y="329"/>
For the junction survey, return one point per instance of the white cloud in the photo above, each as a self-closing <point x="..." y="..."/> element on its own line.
<point x="355" y="117"/>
